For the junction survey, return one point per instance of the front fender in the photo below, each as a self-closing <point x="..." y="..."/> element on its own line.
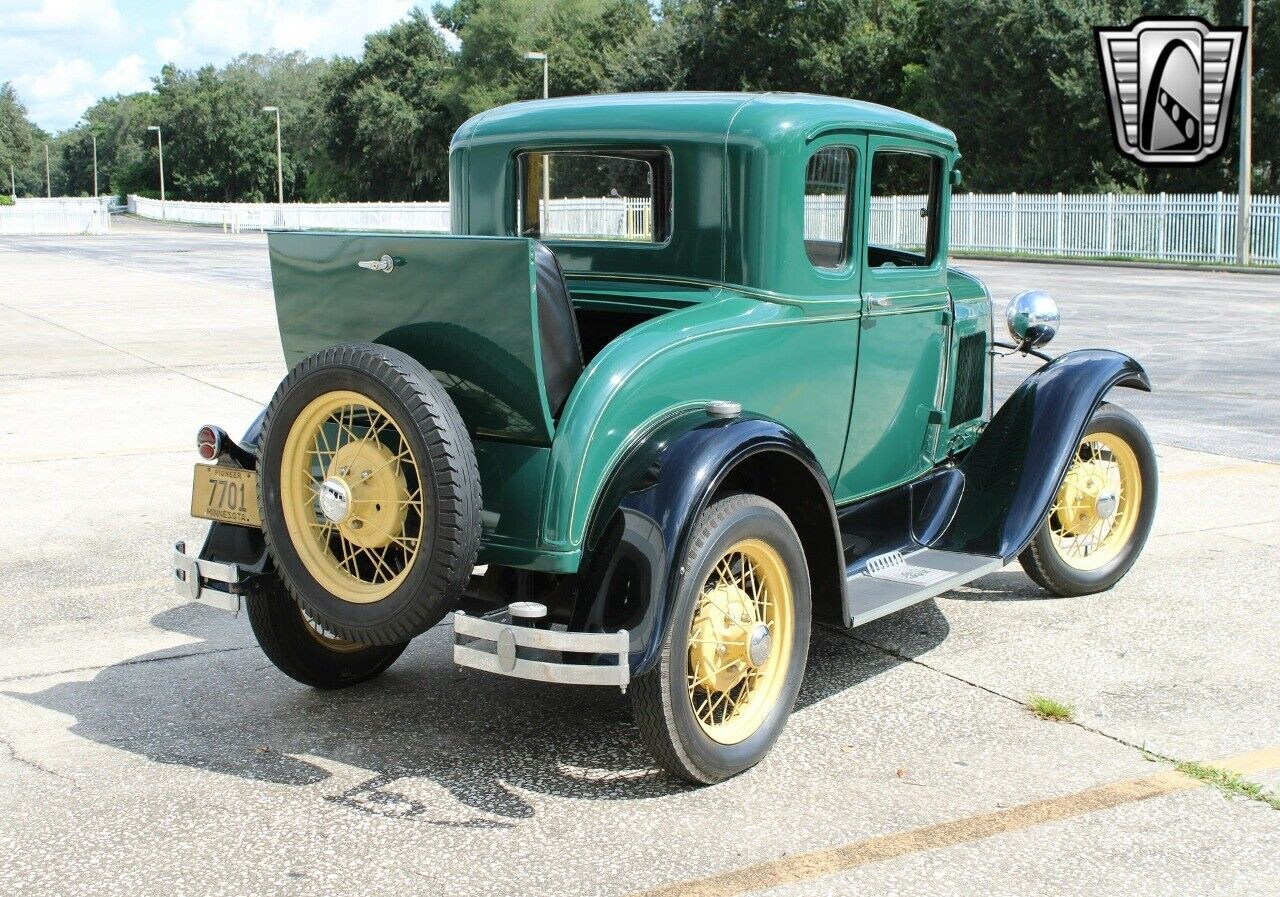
<point x="1014" y="470"/>
<point x="652" y="499"/>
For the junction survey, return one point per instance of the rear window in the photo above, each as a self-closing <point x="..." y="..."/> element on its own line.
<point x="611" y="196"/>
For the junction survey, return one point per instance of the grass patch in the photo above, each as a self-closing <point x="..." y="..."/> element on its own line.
<point x="1229" y="782"/>
<point x="1048" y="708"/>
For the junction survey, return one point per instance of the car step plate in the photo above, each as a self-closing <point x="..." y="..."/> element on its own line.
<point x="893" y="581"/>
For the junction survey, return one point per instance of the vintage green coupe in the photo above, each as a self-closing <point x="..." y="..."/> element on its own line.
<point x="690" y="373"/>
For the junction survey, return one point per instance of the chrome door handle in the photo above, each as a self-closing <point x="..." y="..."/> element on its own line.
<point x="386" y="264"/>
<point x="878" y="301"/>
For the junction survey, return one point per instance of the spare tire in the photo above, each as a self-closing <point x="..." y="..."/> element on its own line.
<point x="369" y="493"/>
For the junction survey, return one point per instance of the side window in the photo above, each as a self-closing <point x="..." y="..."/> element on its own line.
<point x="828" y="188"/>
<point x="904" y="210"/>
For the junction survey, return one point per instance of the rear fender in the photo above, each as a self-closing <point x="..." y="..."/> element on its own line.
<point x="647" y="510"/>
<point x="228" y="543"/>
<point x="1016" y="466"/>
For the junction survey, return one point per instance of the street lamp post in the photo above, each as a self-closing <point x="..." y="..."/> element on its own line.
<point x="160" y="146"/>
<point x="13" y="185"/>
<point x="546" y="158"/>
<point x="48" y="186"/>
<point x="1246" y="128"/>
<point x="95" y="165"/>
<point x="541" y="57"/>
<point x="279" y="154"/>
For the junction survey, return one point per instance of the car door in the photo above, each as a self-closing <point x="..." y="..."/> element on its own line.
<point x="906" y="313"/>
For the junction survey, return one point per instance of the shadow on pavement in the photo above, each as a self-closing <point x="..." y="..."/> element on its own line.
<point x="1007" y="585"/>
<point x="380" y="746"/>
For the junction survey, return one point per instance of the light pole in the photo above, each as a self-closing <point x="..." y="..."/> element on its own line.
<point x="13" y="187"/>
<point x="160" y="146"/>
<point x="279" y="153"/>
<point x="48" y="186"/>
<point x="95" y="165"/>
<point x="546" y="158"/>
<point x="1246" y="129"/>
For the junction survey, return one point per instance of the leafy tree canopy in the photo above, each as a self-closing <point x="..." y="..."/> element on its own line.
<point x="1017" y="80"/>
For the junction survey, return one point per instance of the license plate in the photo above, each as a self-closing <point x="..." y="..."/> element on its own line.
<point x="226" y="494"/>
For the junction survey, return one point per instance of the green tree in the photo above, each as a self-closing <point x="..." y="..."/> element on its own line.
<point x="1018" y="82"/>
<point x="124" y="163"/>
<point x="587" y="42"/>
<point x="294" y="82"/>
<point x="218" y="145"/>
<point x="19" y="139"/>
<point x="388" y="117"/>
<point x="854" y="48"/>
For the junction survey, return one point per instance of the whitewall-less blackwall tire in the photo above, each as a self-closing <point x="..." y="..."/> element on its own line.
<point x="734" y="652"/>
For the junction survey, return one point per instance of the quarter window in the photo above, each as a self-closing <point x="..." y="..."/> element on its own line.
<point x="621" y="196"/>
<point x="904" y="210"/>
<point x="828" y="187"/>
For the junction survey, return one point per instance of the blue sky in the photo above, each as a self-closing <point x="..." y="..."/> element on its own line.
<point x="62" y="55"/>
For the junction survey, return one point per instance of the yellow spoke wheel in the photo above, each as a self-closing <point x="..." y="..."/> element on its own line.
<point x="733" y="653"/>
<point x="1095" y="511"/>
<point x="740" y="641"/>
<point x="351" y="496"/>
<point x="1102" y="512"/>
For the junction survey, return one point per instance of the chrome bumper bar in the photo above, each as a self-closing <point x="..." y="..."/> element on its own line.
<point x="191" y="573"/>
<point x="496" y="645"/>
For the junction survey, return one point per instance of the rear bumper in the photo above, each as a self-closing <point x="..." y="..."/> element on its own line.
<point x="494" y="643"/>
<point x="208" y="582"/>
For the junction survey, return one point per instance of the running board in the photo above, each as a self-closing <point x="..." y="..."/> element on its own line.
<point x="893" y="581"/>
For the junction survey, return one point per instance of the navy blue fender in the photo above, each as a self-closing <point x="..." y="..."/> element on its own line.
<point x="1015" y="468"/>
<point x="646" y="513"/>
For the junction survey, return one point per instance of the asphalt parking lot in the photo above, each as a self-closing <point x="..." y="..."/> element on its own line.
<point x="147" y="747"/>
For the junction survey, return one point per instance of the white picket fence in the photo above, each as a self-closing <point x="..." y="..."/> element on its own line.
<point x="431" y="217"/>
<point x="59" y="216"/>
<point x="1167" y="227"/>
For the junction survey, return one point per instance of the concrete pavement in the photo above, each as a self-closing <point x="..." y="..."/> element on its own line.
<point x="147" y="747"/>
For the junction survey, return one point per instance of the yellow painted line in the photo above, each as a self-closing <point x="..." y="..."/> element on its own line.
<point x="820" y="863"/>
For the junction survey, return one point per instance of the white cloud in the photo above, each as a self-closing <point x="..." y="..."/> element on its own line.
<point x="129" y="75"/>
<point x="59" y="80"/>
<point x="57" y="95"/>
<point x="63" y="54"/>
<point x="213" y="30"/>
<point x="63" y="17"/>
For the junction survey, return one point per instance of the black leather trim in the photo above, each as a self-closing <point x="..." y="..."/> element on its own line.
<point x="557" y="329"/>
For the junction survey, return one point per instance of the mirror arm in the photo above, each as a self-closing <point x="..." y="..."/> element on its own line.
<point x="1024" y="349"/>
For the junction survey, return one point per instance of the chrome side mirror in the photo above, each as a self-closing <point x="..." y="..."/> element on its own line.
<point x="1032" y="318"/>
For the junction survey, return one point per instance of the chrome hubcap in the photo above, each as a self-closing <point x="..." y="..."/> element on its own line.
<point x="335" y="499"/>
<point x="758" y="644"/>
<point x="1106" y="505"/>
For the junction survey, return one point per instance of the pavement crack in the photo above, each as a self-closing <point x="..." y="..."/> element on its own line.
<point x="30" y="764"/>
<point x="907" y="658"/>
<point x="1229" y="783"/>
<point x="1210" y="529"/>
<point x="134" y="355"/>
<point x="136" y="661"/>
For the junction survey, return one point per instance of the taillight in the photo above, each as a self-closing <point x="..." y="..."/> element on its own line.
<point x="209" y="442"/>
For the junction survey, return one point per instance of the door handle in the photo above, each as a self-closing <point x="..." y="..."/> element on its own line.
<point x="879" y="301"/>
<point x="385" y="264"/>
